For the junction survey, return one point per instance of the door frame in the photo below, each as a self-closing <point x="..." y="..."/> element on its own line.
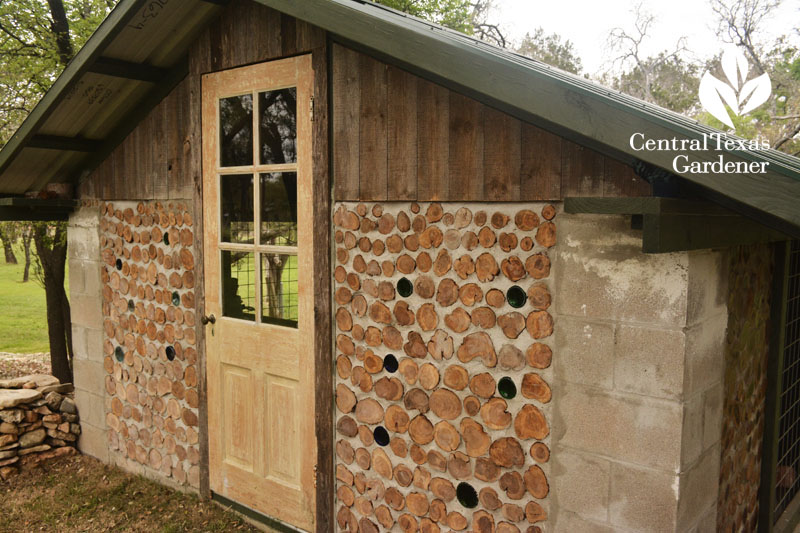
<point x="321" y="59"/>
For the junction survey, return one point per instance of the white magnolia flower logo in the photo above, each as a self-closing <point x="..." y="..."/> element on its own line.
<point x="741" y="97"/>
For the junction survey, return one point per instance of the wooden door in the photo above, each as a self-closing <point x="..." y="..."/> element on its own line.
<point x="257" y="201"/>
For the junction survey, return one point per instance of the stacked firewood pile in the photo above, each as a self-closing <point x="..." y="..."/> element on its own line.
<point x="442" y="361"/>
<point x="38" y="421"/>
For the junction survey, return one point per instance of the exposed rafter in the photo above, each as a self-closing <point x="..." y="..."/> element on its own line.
<point x="57" y="142"/>
<point x="128" y="70"/>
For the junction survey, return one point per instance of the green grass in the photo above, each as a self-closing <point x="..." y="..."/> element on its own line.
<point x="243" y="270"/>
<point x="23" y="316"/>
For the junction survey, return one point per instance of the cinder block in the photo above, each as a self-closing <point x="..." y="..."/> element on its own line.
<point x="712" y="416"/>
<point x="94" y="344"/>
<point x="83" y="243"/>
<point x="708" y="285"/>
<point x="585" y="352"/>
<point x="566" y="522"/>
<point x="606" y="231"/>
<point x="699" y="487"/>
<point x="90" y="408"/>
<point x="707" y="522"/>
<point x="627" y="427"/>
<point x="92" y="277"/>
<point x="581" y="483"/>
<point x="622" y="285"/>
<point x="76" y="283"/>
<point x="649" y="361"/>
<point x="79" y="341"/>
<point x="88" y="376"/>
<point x="643" y="500"/>
<point x="86" y="310"/>
<point x="93" y="441"/>
<point x="85" y="217"/>
<point x="705" y="354"/>
<point x="692" y="438"/>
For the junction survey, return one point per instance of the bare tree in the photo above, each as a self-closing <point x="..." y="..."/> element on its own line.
<point x="27" y="236"/>
<point x="738" y="23"/>
<point x="8" y="237"/>
<point x="482" y="28"/>
<point x="631" y="55"/>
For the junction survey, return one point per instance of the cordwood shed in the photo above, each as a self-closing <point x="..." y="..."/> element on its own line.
<point x="349" y="270"/>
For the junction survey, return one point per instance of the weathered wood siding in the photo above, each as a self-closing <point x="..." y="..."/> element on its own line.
<point x="399" y="137"/>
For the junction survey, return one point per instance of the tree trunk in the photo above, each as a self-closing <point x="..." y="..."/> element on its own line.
<point x="60" y="28"/>
<point x="27" y="234"/>
<point x="51" y="246"/>
<point x="8" y="250"/>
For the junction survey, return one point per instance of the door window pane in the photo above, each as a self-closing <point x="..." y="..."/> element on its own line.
<point x="279" y="289"/>
<point x="236" y="204"/>
<point x="238" y="285"/>
<point x="277" y="126"/>
<point x="236" y="130"/>
<point x="279" y="208"/>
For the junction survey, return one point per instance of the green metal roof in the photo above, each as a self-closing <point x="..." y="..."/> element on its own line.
<point x="569" y="105"/>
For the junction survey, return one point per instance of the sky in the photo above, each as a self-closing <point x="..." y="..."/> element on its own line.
<point x="587" y="23"/>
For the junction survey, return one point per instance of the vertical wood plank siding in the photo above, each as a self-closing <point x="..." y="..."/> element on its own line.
<point x="402" y="135"/>
<point x="439" y="145"/>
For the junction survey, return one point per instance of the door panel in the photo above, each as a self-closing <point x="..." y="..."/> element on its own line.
<point x="258" y="240"/>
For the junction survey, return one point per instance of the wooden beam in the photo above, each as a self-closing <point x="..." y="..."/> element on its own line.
<point x="41" y="203"/>
<point x="57" y="142"/>
<point x="25" y="214"/>
<point x="672" y="233"/>
<point x="18" y="208"/>
<point x="128" y="70"/>
<point x="673" y="224"/>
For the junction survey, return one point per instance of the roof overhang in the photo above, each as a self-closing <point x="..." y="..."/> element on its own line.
<point x="134" y="58"/>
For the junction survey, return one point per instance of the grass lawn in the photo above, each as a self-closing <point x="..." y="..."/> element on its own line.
<point x="81" y="494"/>
<point x="23" y="317"/>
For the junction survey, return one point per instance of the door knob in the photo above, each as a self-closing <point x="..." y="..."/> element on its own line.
<point x="208" y="319"/>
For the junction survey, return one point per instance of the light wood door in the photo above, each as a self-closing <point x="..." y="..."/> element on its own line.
<point x="257" y="201"/>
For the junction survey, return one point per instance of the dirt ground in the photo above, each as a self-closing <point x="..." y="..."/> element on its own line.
<point x="14" y="365"/>
<point x="79" y="493"/>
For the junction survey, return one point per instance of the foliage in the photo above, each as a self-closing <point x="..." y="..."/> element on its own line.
<point x="29" y="55"/>
<point x="666" y="80"/>
<point x="470" y="17"/>
<point x="671" y="78"/>
<point x="551" y="49"/>
<point x="454" y="14"/>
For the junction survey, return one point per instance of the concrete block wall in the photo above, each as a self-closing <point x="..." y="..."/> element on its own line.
<point x="85" y="294"/>
<point x="638" y="368"/>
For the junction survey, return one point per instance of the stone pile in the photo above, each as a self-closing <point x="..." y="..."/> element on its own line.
<point x="38" y="421"/>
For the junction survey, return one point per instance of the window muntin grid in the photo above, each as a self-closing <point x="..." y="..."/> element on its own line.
<point x="261" y="195"/>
